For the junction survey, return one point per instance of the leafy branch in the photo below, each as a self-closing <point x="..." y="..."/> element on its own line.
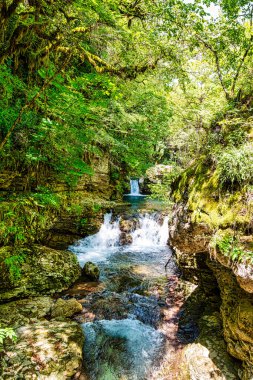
<point x="31" y="103"/>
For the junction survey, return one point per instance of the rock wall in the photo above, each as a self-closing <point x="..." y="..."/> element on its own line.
<point x="42" y="271"/>
<point x="190" y="240"/>
<point x="41" y="265"/>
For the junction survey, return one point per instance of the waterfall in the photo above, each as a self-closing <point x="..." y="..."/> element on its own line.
<point x="134" y="184"/>
<point x="97" y="247"/>
<point x="148" y="233"/>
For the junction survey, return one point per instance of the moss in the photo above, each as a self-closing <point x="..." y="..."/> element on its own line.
<point x="208" y="204"/>
<point x="44" y="271"/>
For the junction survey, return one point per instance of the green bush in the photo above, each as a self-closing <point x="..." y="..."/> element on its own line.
<point x="6" y="333"/>
<point x="235" y="166"/>
<point x="230" y="246"/>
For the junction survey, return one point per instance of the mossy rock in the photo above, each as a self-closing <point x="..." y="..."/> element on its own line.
<point x="19" y="313"/>
<point x="42" y="271"/>
<point x="44" y="350"/>
<point x="91" y="271"/>
<point x="66" y="308"/>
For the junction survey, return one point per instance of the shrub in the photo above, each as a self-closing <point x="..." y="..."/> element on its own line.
<point x="235" y="166"/>
<point x="230" y="246"/>
<point x="6" y="333"/>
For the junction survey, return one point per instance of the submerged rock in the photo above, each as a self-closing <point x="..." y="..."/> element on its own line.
<point x="66" y="308"/>
<point x="122" y="349"/>
<point x="42" y="271"/>
<point x="44" y="350"/>
<point x="91" y="271"/>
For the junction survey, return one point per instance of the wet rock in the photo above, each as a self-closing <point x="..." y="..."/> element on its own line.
<point x="65" y="308"/>
<point x="43" y="271"/>
<point x="234" y="281"/>
<point x="91" y="271"/>
<point x="109" y="305"/>
<point x="125" y="239"/>
<point x="126" y="280"/>
<point x="207" y="357"/>
<point x="244" y="276"/>
<point x="44" y="350"/>
<point x="198" y="364"/>
<point x="21" y="312"/>
<point x="128" y="225"/>
<point x="237" y="316"/>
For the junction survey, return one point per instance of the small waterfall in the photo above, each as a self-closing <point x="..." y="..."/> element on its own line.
<point x="149" y="233"/>
<point x="96" y="247"/>
<point x="121" y="318"/>
<point x="107" y="236"/>
<point x="135" y="189"/>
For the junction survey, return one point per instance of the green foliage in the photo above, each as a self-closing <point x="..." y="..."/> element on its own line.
<point x="231" y="248"/>
<point x="13" y="263"/>
<point x="22" y="217"/>
<point x="83" y="222"/>
<point x="160" y="88"/>
<point x="235" y="166"/>
<point x="6" y="333"/>
<point x="162" y="188"/>
<point x="96" y="207"/>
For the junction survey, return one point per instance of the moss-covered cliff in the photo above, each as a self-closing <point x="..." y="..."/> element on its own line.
<point x="213" y="223"/>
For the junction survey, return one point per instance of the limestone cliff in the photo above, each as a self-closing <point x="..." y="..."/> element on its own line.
<point x="203" y="222"/>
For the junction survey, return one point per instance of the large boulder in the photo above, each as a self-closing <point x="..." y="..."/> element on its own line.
<point x="237" y="316"/>
<point x="42" y="271"/>
<point x="44" y="350"/>
<point x="207" y="357"/>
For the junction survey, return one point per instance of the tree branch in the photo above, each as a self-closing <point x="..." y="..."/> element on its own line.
<point x="217" y="63"/>
<point x="240" y="65"/>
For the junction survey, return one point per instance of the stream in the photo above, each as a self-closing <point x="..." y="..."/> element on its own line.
<point x="130" y="317"/>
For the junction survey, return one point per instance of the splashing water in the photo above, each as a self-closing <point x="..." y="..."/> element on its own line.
<point x="96" y="248"/>
<point x="122" y="342"/>
<point x="150" y="233"/>
<point x="135" y="346"/>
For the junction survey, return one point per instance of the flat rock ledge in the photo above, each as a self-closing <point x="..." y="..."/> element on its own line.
<point x="48" y="350"/>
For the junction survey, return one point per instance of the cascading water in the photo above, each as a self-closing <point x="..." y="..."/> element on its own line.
<point x="123" y="342"/>
<point x="96" y="248"/>
<point x="150" y="233"/>
<point x="134" y="185"/>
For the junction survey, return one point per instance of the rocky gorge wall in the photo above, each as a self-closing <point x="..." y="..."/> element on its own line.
<point x="34" y="270"/>
<point x="200" y="214"/>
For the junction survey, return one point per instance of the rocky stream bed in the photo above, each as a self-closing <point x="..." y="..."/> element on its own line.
<point x="143" y="319"/>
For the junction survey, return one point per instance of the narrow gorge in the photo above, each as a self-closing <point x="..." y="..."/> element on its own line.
<point x="126" y="190"/>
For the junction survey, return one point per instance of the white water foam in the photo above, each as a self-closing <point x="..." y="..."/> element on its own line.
<point x="150" y="233"/>
<point x="97" y="248"/>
